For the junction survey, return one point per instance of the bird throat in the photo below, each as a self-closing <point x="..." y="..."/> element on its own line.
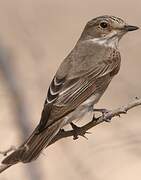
<point x="111" y="40"/>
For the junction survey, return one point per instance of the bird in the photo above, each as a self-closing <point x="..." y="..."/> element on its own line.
<point x="78" y="84"/>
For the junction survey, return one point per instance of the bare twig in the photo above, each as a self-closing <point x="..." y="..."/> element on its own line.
<point x="3" y="167"/>
<point x="83" y="130"/>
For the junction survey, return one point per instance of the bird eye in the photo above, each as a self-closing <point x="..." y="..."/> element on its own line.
<point x="103" y="24"/>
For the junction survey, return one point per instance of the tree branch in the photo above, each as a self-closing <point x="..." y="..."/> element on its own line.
<point x="108" y="116"/>
<point x="81" y="131"/>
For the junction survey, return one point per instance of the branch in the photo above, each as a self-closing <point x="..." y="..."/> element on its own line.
<point x="81" y="131"/>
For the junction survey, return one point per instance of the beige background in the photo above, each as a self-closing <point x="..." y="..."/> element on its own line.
<point x="38" y="34"/>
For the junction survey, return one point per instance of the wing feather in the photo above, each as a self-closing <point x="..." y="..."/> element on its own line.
<point x="52" y="95"/>
<point x="66" y="94"/>
<point x="83" y="88"/>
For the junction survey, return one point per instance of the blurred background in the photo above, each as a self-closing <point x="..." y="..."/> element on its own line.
<point x="35" y="36"/>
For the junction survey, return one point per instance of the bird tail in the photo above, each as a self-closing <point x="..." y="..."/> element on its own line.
<point x="32" y="147"/>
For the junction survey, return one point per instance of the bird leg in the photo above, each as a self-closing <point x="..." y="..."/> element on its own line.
<point x="78" y="131"/>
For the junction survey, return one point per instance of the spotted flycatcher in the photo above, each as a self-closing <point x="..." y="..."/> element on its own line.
<point x="77" y="86"/>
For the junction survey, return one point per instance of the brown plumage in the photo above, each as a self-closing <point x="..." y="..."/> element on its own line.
<point x="78" y="84"/>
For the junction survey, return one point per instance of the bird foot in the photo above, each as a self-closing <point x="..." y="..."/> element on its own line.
<point x="104" y="112"/>
<point x="78" y="131"/>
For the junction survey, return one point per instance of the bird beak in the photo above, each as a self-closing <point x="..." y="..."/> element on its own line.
<point x="130" y="28"/>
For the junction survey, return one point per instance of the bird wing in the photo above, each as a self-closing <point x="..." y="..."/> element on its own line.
<point x="66" y="94"/>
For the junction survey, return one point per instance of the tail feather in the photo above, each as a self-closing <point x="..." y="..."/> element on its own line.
<point x="32" y="147"/>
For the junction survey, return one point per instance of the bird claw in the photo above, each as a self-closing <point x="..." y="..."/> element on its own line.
<point x="107" y="120"/>
<point x="87" y="132"/>
<point x="103" y="110"/>
<point x="78" y="132"/>
<point x="104" y="114"/>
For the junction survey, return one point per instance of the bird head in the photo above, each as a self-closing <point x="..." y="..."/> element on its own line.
<point x="106" y="29"/>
